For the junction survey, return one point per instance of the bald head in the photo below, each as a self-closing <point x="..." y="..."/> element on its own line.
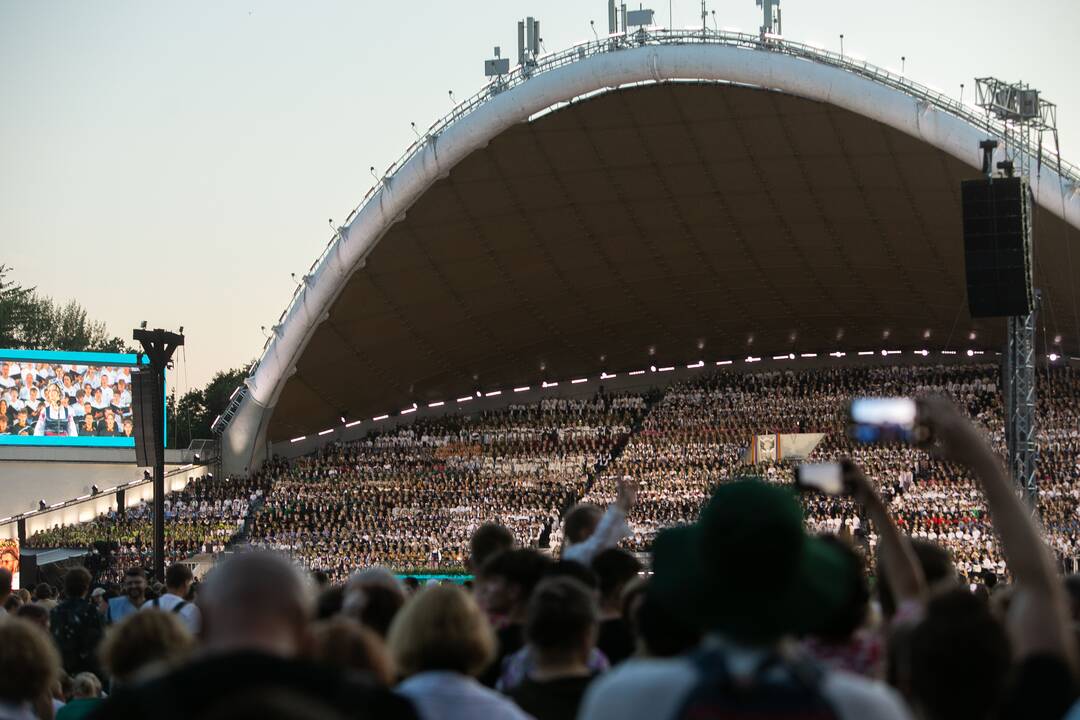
<point x="256" y="601"/>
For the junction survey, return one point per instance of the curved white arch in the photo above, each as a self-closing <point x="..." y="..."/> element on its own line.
<point x="242" y="444"/>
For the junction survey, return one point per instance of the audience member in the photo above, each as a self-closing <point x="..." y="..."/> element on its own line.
<point x="144" y="645"/>
<point x="178" y="580"/>
<point x="561" y="630"/>
<point x="85" y="696"/>
<point x="77" y="626"/>
<point x="441" y="642"/>
<point x="29" y="666"/>
<point x="615" y="568"/>
<point x="134" y="596"/>
<point x="751" y="576"/>
<point x="503" y="588"/>
<point x="256" y="611"/>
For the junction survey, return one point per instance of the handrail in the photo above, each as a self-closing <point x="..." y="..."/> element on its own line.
<point x="656" y="37"/>
<point x="102" y="493"/>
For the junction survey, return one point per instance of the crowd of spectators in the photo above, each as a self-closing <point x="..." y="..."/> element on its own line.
<point x="697" y="436"/>
<point x="746" y="613"/>
<point x="202" y="518"/>
<point x="410" y="498"/>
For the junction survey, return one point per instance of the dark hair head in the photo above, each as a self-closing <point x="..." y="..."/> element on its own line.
<point x="380" y="605"/>
<point x="574" y="569"/>
<point x="958" y="658"/>
<point x="522" y="568"/>
<point x="135" y="571"/>
<point x="664" y="632"/>
<point x="615" y="567"/>
<point x="43" y="591"/>
<point x="561" y="615"/>
<point x="76" y="582"/>
<point x="330" y="602"/>
<point x="488" y="540"/>
<point x="580" y="522"/>
<point x="320" y="578"/>
<point x="177" y="575"/>
<point x="34" y="613"/>
<point x="936" y="563"/>
<point x="849" y="618"/>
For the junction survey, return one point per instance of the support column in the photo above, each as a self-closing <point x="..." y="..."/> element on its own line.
<point x="1019" y="385"/>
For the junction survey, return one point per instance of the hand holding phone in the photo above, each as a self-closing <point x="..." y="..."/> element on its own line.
<point x="884" y="420"/>
<point x="826" y="478"/>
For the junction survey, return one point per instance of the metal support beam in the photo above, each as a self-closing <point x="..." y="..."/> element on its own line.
<point x="159" y="345"/>
<point x="1019" y="381"/>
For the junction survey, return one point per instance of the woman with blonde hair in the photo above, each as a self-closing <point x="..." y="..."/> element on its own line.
<point x="441" y="642"/>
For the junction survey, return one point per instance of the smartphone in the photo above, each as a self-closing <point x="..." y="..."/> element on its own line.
<point x="882" y="420"/>
<point x="827" y="478"/>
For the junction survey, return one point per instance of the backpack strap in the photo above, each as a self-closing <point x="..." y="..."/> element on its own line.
<point x="179" y="606"/>
<point x="157" y="604"/>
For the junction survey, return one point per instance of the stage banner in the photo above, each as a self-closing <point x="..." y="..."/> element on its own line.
<point x="781" y="446"/>
<point x="9" y="560"/>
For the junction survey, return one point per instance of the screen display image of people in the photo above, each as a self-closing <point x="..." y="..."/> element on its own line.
<point x="65" y="399"/>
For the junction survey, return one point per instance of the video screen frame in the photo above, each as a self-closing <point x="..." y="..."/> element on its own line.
<point x="63" y="357"/>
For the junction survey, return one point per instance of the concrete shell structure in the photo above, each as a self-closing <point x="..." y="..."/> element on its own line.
<point x="647" y="200"/>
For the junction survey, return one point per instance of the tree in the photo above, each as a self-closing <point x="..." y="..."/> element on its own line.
<point x="15" y="303"/>
<point x="29" y="321"/>
<point x="192" y="415"/>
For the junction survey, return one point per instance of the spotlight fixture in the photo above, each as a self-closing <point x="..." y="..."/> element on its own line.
<point x="196" y="457"/>
<point x="94" y="490"/>
<point x="145" y="474"/>
<point x="42" y="505"/>
<point x="142" y="325"/>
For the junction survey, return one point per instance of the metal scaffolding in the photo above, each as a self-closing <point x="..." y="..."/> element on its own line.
<point x="1018" y="377"/>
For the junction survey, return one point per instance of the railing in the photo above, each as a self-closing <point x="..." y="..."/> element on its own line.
<point x="101" y="493"/>
<point x="657" y="37"/>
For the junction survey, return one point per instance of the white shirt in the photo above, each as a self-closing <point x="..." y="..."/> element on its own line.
<point x="652" y="689"/>
<point x="444" y="695"/>
<point x="189" y="614"/>
<point x="609" y="531"/>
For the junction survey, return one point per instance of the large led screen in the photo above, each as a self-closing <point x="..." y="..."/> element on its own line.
<point x="66" y="398"/>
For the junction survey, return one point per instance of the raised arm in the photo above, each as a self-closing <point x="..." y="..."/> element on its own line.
<point x="901" y="566"/>
<point x="1038" y="616"/>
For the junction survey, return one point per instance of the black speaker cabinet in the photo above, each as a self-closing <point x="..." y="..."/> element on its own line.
<point x="145" y="392"/>
<point x="997" y="246"/>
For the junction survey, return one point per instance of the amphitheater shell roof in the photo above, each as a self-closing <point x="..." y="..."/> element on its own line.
<point x="669" y="200"/>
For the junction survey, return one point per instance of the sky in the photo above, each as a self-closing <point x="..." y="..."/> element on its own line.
<point x="177" y="162"/>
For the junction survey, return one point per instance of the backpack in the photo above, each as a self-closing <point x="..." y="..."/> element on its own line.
<point x="792" y="693"/>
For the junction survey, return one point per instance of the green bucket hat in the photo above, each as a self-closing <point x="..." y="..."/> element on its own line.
<point x="748" y="569"/>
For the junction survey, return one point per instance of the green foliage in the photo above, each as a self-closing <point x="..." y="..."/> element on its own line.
<point x="29" y="321"/>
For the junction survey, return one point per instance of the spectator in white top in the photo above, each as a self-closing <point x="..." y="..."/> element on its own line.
<point x="588" y="533"/>
<point x="178" y="579"/>
<point x="441" y="641"/>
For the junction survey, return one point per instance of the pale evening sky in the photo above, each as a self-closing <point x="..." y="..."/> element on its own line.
<point x="175" y="162"/>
